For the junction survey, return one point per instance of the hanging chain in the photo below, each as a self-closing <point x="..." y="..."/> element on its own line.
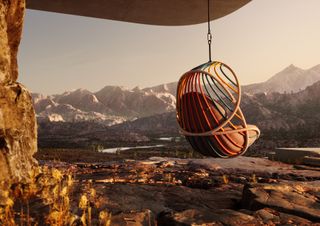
<point x="209" y="35"/>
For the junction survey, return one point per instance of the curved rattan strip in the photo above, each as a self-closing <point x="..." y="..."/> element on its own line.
<point x="222" y="124"/>
<point x="214" y="102"/>
<point x="223" y="147"/>
<point x="224" y="150"/>
<point x="246" y="129"/>
<point x="181" y="121"/>
<point x="218" y="96"/>
<point x="212" y="132"/>
<point x="219" y="78"/>
<point x="236" y="84"/>
<point x="224" y="82"/>
<point x="189" y="84"/>
<point x="226" y="76"/>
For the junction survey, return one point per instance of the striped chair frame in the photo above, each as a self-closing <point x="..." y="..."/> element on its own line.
<point x="209" y="114"/>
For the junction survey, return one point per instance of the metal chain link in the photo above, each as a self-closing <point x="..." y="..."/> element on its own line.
<point x="209" y="35"/>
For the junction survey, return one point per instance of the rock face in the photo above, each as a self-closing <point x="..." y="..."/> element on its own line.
<point x="11" y="21"/>
<point x="18" y="132"/>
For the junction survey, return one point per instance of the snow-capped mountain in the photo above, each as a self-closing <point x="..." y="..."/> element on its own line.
<point x="274" y="112"/>
<point x="135" y="103"/>
<point x="164" y="88"/>
<point x="291" y="80"/>
<point x="111" y="105"/>
<point x="115" y="104"/>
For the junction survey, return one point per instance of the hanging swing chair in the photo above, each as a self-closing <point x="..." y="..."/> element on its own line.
<point x="208" y="109"/>
<point x="209" y="114"/>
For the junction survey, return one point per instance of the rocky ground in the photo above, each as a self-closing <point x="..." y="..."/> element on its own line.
<point x="174" y="191"/>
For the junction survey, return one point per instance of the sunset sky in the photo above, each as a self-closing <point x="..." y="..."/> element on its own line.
<point x="64" y="52"/>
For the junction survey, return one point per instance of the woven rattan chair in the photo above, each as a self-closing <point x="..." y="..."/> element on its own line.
<point x="209" y="114"/>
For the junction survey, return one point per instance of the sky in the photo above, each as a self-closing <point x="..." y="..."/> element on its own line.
<point x="64" y="52"/>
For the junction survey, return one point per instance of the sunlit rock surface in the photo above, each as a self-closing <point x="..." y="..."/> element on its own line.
<point x="18" y="132"/>
<point x="17" y="118"/>
<point x="11" y="21"/>
<point x="173" y="191"/>
<point x="299" y="199"/>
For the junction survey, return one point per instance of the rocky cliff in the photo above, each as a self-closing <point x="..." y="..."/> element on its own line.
<point x="18" y="130"/>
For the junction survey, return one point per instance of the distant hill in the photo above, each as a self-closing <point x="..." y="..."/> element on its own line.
<point x="159" y="124"/>
<point x="298" y="112"/>
<point x="291" y="79"/>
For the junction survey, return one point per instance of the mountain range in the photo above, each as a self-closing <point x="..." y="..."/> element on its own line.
<point x="111" y="105"/>
<point x="269" y="112"/>
<point x="114" y="105"/>
<point x="287" y="113"/>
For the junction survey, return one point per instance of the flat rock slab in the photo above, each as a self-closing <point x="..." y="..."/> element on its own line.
<point x="207" y="217"/>
<point x="295" y="155"/>
<point x="134" y="218"/>
<point x="245" y="165"/>
<point x="272" y="217"/>
<point x="158" y="198"/>
<point x="300" y="199"/>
